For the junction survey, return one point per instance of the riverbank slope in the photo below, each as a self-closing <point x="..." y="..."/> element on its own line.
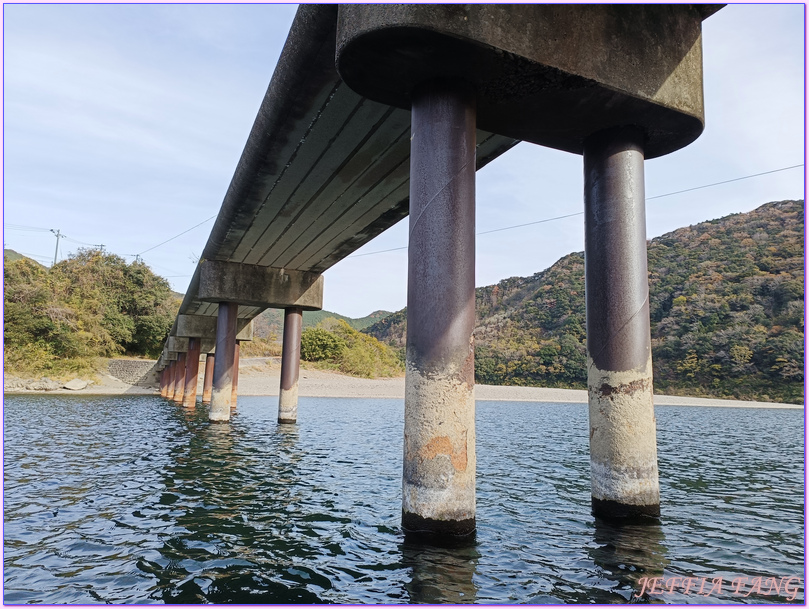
<point x="260" y="376"/>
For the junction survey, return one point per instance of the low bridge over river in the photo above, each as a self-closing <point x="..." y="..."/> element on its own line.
<point x="377" y="112"/>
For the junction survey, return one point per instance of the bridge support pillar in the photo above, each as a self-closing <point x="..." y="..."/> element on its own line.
<point x="222" y="391"/>
<point x="163" y="383"/>
<point x="623" y="446"/>
<point x="290" y="365"/>
<point x="179" y="378"/>
<point x="438" y="485"/>
<point x="191" y="372"/>
<point x="234" y="394"/>
<point x="170" y="380"/>
<point x="207" y="382"/>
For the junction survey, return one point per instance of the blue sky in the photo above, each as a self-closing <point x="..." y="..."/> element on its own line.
<point x="123" y="125"/>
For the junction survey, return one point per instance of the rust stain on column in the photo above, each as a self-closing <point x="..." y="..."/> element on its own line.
<point x="179" y="378"/>
<point x="235" y="383"/>
<point x="222" y="391"/>
<point x="163" y="383"/>
<point x="438" y="484"/>
<point x="191" y="372"/>
<point x="207" y="382"/>
<point x="623" y="446"/>
<point x="170" y="380"/>
<point x="290" y="366"/>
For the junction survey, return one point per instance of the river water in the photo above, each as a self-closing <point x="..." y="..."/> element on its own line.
<point x="132" y="499"/>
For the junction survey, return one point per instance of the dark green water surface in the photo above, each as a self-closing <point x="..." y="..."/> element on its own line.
<point x="134" y="500"/>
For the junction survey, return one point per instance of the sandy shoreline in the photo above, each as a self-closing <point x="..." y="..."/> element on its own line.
<point x="261" y="377"/>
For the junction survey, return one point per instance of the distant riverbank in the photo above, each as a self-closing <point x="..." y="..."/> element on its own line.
<point x="260" y="376"/>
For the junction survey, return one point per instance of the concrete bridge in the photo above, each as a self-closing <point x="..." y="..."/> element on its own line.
<point x="375" y="112"/>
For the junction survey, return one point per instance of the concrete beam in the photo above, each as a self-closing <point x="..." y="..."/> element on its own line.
<point x="177" y="344"/>
<point x="259" y="286"/>
<point x="204" y="326"/>
<point x="550" y="74"/>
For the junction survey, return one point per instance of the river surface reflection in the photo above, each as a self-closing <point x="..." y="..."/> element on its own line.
<point x="133" y="499"/>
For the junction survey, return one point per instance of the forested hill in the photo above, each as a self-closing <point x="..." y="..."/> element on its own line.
<point x="270" y="323"/>
<point x="726" y="305"/>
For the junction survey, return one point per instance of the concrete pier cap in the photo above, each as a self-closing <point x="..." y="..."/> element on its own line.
<point x="259" y="286"/>
<point x="204" y="327"/>
<point x="547" y="74"/>
<point x="177" y="344"/>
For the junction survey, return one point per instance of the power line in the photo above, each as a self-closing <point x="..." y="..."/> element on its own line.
<point x="79" y="242"/>
<point x="35" y="256"/>
<point x="581" y="213"/>
<point x="497" y="230"/>
<point x="753" y="175"/>
<point x="20" y="227"/>
<point x="178" y="235"/>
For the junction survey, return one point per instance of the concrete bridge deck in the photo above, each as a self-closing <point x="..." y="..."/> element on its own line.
<point x="324" y="170"/>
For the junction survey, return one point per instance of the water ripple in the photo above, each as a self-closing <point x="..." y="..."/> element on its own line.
<point x="135" y="500"/>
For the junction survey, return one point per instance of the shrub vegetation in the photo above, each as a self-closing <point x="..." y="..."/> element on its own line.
<point x="94" y="304"/>
<point x="335" y="344"/>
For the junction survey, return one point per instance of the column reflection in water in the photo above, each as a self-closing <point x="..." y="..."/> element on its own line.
<point x="627" y="553"/>
<point x="440" y="574"/>
<point x="232" y="539"/>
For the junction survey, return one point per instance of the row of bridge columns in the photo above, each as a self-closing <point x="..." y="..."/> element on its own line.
<point x="439" y="429"/>
<point x="616" y="84"/>
<point x="179" y="378"/>
<point x="439" y="463"/>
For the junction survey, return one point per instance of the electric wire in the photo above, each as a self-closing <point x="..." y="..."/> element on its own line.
<point x="581" y="213"/>
<point x="20" y="227"/>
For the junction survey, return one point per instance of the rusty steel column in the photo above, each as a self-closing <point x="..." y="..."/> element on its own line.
<point x="438" y="484"/>
<point x="235" y="384"/>
<point x="623" y="446"/>
<point x="179" y="378"/>
<point x="163" y="383"/>
<point x="191" y="372"/>
<point x="207" y="381"/>
<point x="170" y="380"/>
<point x="290" y="365"/>
<point x="222" y="391"/>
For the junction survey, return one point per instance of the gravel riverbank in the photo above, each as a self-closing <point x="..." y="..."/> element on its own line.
<point x="261" y="376"/>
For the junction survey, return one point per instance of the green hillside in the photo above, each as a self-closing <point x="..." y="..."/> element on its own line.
<point x="271" y="322"/>
<point x="60" y="319"/>
<point x="726" y="306"/>
<point x="11" y="256"/>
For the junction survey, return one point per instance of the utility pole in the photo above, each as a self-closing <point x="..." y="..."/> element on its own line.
<point x="58" y="235"/>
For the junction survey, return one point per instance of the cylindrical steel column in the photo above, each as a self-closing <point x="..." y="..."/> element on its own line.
<point x="191" y="372"/>
<point x="438" y="486"/>
<point x="170" y="378"/>
<point x="163" y="383"/>
<point x="235" y="383"/>
<point x="207" y="381"/>
<point x="290" y="365"/>
<point x="179" y="378"/>
<point x="222" y="391"/>
<point x="623" y="446"/>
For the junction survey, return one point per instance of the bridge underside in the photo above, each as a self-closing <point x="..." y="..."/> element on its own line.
<point x="374" y="108"/>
